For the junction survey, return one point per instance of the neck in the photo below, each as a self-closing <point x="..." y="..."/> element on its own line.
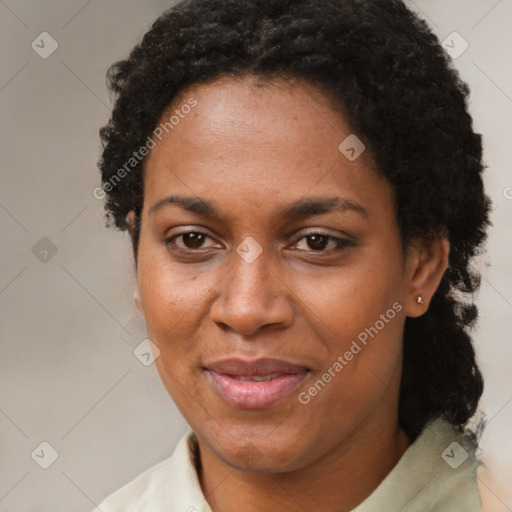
<point x="339" y="480"/>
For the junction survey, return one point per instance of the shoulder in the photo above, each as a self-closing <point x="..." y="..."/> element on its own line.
<point x="169" y="485"/>
<point x="134" y="495"/>
<point x="492" y="491"/>
<point x="436" y="474"/>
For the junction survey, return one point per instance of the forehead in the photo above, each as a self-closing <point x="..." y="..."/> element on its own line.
<point x="267" y="111"/>
<point x="249" y="141"/>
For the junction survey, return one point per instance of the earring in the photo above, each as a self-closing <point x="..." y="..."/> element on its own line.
<point x="420" y="300"/>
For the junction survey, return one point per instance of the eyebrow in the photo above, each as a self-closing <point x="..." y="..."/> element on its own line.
<point x="298" y="209"/>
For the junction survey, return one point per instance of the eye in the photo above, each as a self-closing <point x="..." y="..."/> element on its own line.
<point x="320" y="242"/>
<point x="316" y="242"/>
<point x="190" y="240"/>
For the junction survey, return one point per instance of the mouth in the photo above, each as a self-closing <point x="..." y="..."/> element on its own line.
<point x="254" y="385"/>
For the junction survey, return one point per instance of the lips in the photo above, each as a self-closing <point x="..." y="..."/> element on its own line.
<point x="260" y="367"/>
<point x="254" y="384"/>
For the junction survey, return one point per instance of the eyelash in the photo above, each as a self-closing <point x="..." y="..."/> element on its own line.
<point x="340" y="242"/>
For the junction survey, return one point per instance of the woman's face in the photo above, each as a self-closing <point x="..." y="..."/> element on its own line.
<point x="293" y="254"/>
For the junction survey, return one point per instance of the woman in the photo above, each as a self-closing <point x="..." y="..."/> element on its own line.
<point x="302" y="186"/>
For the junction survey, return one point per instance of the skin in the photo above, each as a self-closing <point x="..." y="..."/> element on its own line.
<point x="251" y="148"/>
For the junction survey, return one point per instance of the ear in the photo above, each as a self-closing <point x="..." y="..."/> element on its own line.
<point x="427" y="260"/>
<point x="138" y="303"/>
<point x="131" y="220"/>
<point x="132" y="224"/>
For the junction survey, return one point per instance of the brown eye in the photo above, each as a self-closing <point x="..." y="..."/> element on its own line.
<point x="193" y="240"/>
<point x="188" y="241"/>
<point x="317" y="242"/>
<point x="320" y="242"/>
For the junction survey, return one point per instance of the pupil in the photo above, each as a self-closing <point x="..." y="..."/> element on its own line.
<point x="317" y="241"/>
<point x="193" y="240"/>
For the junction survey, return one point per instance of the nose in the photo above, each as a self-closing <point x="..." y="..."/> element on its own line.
<point x="252" y="297"/>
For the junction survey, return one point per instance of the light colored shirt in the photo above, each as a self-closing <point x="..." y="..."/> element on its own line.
<point x="437" y="473"/>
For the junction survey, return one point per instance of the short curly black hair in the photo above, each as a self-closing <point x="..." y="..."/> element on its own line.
<point x="401" y="95"/>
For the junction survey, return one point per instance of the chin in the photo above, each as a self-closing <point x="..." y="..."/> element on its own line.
<point x="259" y="454"/>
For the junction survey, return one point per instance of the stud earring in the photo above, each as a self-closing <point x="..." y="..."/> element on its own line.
<point x="420" y="300"/>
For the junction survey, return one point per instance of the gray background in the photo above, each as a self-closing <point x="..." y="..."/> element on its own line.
<point x="68" y="326"/>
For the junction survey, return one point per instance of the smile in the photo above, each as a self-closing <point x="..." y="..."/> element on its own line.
<point x="254" y="384"/>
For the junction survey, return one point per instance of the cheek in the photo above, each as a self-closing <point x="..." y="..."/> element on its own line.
<point x="169" y="292"/>
<point x="175" y="300"/>
<point x="358" y="315"/>
<point x="360" y="328"/>
<point x="167" y="300"/>
<point x="341" y="303"/>
<point x="363" y="337"/>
